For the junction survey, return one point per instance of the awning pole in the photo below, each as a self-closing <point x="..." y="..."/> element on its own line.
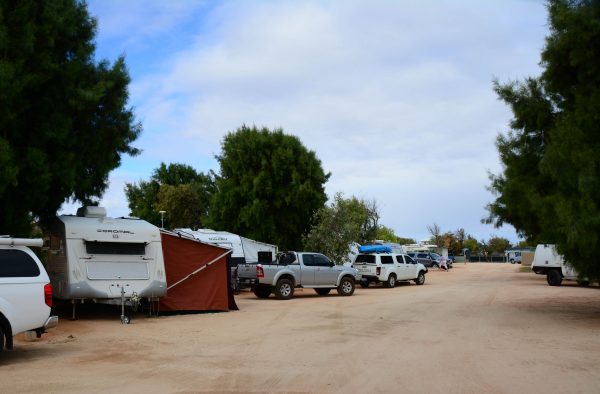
<point x="198" y="270"/>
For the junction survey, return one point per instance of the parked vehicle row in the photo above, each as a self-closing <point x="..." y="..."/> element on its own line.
<point x="314" y="270"/>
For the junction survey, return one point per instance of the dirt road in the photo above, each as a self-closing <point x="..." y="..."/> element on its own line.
<point x="478" y="328"/>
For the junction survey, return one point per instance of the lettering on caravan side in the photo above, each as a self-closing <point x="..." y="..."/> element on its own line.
<point x="115" y="231"/>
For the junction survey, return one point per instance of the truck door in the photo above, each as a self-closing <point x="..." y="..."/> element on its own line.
<point x="308" y="269"/>
<point x="326" y="272"/>
<point x="402" y="269"/>
<point x="411" y="267"/>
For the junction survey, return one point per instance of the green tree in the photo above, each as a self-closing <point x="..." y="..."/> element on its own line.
<point x="341" y="223"/>
<point x="387" y="234"/>
<point x="63" y="118"/>
<point x="269" y="186"/>
<point x="498" y="244"/>
<point x="471" y="244"/>
<point x="436" y="235"/>
<point x="551" y="180"/>
<point x="177" y="189"/>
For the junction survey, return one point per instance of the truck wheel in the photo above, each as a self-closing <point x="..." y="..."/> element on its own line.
<point x="512" y="261"/>
<point x="420" y="278"/>
<point x="262" y="291"/>
<point x="364" y="283"/>
<point x="284" y="289"/>
<point x="322" y="291"/>
<point x="346" y="287"/>
<point x="391" y="282"/>
<point x="554" y="278"/>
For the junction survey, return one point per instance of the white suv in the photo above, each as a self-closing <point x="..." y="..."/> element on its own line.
<point x="25" y="291"/>
<point x="388" y="268"/>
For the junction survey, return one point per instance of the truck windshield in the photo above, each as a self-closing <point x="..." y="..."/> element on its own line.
<point x="365" y="259"/>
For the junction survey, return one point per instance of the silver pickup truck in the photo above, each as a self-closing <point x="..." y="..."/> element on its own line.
<point x="298" y="269"/>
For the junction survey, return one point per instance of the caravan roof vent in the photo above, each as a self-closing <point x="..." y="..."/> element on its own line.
<point x="92" y="212"/>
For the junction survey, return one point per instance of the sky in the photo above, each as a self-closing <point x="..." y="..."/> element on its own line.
<point x="395" y="97"/>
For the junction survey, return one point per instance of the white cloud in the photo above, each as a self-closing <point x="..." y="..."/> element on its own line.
<point x="395" y="97"/>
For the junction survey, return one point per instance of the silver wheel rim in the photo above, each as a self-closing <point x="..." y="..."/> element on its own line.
<point x="392" y="281"/>
<point x="285" y="289"/>
<point x="421" y="278"/>
<point x="347" y="287"/>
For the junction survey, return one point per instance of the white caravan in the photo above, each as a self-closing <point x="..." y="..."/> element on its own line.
<point x="244" y="250"/>
<point x="108" y="260"/>
<point x="547" y="261"/>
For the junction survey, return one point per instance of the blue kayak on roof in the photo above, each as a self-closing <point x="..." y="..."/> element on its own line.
<point x="374" y="249"/>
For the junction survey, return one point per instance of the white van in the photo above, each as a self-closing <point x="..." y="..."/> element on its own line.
<point x="547" y="261"/>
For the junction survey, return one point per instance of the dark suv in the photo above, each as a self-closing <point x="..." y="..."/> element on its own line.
<point x="429" y="259"/>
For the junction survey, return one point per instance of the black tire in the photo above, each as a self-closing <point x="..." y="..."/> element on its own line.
<point x="512" y="261"/>
<point x="364" y="283"/>
<point x="391" y="282"/>
<point x="284" y="289"/>
<point x="346" y="287"/>
<point x="262" y="291"/>
<point x="554" y="278"/>
<point x="584" y="283"/>
<point x="322" y="292"/>
<point x="1" y="339"/>
<point x="420" y="278"/>
<point x="435" y="265"/>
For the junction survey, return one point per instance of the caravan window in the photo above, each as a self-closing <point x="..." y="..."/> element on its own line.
<point x="131" y="248"/>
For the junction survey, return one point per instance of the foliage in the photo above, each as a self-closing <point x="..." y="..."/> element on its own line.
<point x="436" y="235"/>
<point x="471" y="244"/>
<point x="387" y="234"/>
<point x="498" y="244"/>
<point x="269" y="186"/>
<point x="63" y="118"/>
<point x="551" y="180"/>
<point x="338" y="225"/>
<point x="177" y="189"/>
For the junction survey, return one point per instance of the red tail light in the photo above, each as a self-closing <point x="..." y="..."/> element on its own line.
<point x="260" y="273"/>
<point x="48" y="294"/>
<point x="378" y="271"/>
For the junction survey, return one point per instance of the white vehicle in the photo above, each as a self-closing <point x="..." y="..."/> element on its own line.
<point x="25" y="291"/>
<point x="244" y="250"/>
<point x="388" y="268"/>
<point x="514" y="256"/>
<point x="107" y="260"/>
<point x="547" y="261"/>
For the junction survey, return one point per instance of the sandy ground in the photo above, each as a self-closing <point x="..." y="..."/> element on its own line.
<point x="478" y="328"/>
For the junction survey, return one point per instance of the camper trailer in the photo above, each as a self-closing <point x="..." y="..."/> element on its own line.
<point x="547" y="261"/>
<point x="107" y="260"/>
<point x="244" y="250"/>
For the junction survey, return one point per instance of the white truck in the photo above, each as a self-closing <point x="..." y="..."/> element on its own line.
<point x="298" y="269"/>
<point x="388" y="268"/>
<point x="25" y="291"/>
<point x="547" y="261"/>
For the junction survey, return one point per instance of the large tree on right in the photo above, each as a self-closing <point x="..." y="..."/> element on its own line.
<point x="549" y="189"/>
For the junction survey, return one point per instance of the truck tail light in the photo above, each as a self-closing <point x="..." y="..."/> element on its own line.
<point x="378" y="271"/>
<point x="48" y="294"/>
<point x="260" y="273"/>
